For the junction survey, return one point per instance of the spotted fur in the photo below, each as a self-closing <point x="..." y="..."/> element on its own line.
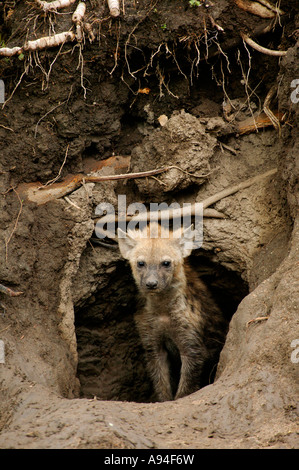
<point x="181" y="328"/>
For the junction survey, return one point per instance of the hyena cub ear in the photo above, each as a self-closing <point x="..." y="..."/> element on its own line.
<point x="126" y="243"/>
<point x="185" y="240"/>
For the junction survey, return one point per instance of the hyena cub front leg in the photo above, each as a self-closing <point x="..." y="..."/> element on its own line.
<point x="155" y="356"/>
<point x="190" y="377"/>
<point x="157" y="366"/>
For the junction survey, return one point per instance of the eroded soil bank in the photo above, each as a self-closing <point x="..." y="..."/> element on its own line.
<point x="165" y="84"/>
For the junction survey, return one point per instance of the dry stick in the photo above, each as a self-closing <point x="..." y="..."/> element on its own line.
<point x="142" y="174"/>
<point x="79" y="179"/>
<point x="257" y="319"/>
<point x="238" y="187"/>
<point x="176" y="213"/>
<point x="15" y="226"/>
<point x="261" y="49"/>
<point x="163" y="214"/>
<point x="7" y="128"/>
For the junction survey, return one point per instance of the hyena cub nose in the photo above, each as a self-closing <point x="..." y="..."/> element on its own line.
<point x="151" y="284"/>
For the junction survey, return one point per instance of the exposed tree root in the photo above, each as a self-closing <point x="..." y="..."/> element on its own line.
<point x="261" y="121"/>
<point x="77" y="18"/>
<point x="54" y="6"/>
<point x="41" y="43"/>
<point x="263" y="9"/>
<point x="261" y="49"/>
<point x="10" y="292"/>
<point x="114" y="7"/>
<point x="10" y="51"/>
<point x="170" y="214"/>
<point x="274" y="119"/>
<point x="49" y="41"/>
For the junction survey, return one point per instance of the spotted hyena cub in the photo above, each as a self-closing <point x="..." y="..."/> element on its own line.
<point x="180" y="326"/>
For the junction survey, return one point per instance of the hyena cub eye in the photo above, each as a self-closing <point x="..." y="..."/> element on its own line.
<point x="166" y="264"/>
<point x="140" y="264"/>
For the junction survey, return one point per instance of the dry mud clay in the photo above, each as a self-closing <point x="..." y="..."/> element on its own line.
<point x="164" y="84"/>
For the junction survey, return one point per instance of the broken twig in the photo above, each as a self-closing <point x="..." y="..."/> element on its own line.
<point x="257" y="319"/>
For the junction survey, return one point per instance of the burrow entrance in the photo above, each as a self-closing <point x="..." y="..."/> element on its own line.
<point x="111" y="363"/>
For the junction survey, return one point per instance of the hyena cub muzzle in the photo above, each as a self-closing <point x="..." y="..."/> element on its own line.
<point x="180" y="326"/>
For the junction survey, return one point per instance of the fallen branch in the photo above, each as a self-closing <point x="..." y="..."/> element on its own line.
<point x="56" y="5"/>
<point x="261" y="49"/>
<point x="114" y="7"/>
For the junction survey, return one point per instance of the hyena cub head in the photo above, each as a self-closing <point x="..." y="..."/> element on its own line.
<point x="156" y="256"/>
